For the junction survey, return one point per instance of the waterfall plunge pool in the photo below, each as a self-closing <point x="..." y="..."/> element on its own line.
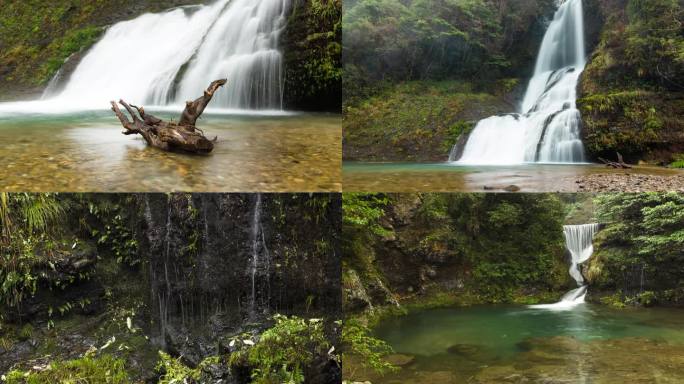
<point x="85" y="151"/>
<point x="499" y="343"/>
<point x="447" y="177"/>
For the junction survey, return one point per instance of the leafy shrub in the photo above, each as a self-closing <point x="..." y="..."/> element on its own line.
<point x="357" y="341"/>
<point x="174" y="371"/>
<point x="284" y="351"/>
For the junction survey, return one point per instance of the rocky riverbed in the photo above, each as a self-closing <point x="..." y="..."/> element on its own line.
<point x="629" y="182"/>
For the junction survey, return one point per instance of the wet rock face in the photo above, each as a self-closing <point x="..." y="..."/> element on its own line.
<point x="220" y="261"/>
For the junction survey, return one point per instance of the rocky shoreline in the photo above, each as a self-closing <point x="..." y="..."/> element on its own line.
<point x="629" y="182"/>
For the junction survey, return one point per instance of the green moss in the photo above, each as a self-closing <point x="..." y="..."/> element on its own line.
<point x="103" y="369"/>
<point x="414" y="121"/>
<point x="38" y="35"/>
<point x="631" y="97"/>
<point x="629" y="122"/>
<point x="313" y="50"/>
<point x="61" y="48"/>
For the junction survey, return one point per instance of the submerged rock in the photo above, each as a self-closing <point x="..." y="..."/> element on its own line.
<point x="400" y="360"/>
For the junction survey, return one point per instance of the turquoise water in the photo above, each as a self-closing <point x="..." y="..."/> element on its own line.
<point x="503" y="328"/>
<point x="491" y="344"/>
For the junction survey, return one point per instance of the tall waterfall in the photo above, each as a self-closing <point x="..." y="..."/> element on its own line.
<point x="547" y="128"/>
<point x="578" y="240"/>
<point x="168" y="58"/>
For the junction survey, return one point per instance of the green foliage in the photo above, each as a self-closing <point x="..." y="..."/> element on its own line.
<point x="678" y="161"/>
<point x="387" y="40"/>
<point x="26" y="222"/>
<point x="357" y="340"/>
<point x="284" y="351"/>
<point x="500" y="243"/>
<point x="655" y="41"/>
<point x="113" y="229"/>
<point x="104" y="369"/>
<point x="363" y="212"/>
<point x="313" y="49"/>
<point x="631" y="87"/>
<point x="641" y="249"/>
<point x="174" y="371"/>
<point x="615" y="300"/>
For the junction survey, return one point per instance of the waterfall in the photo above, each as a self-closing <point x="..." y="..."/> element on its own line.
<point x="547" y="127"/>
<point x="170" y="57"/>
<point x="256" y="229"/>
<point x="578" y="240"/>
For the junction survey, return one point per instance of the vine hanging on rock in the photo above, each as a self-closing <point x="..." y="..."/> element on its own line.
<point x="168" y="135"/>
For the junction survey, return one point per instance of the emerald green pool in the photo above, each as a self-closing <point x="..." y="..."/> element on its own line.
<point x="482" y="344"/>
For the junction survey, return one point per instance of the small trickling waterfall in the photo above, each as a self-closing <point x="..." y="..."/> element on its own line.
<point x="547" y="128"/>
<point x="168" y="58"/>
<point x="256" y="241"/>
<point x="578" y="240"/>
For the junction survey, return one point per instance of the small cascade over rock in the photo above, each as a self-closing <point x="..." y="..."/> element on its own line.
<point x="219" y="262"/>
<point x="547" y="128"/>
<point x="578" y="240"/>
<point x="260" y="258"/>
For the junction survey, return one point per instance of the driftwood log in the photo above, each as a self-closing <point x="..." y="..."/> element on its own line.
<point x="169" y="135"/>
<point x="620" y="164"/>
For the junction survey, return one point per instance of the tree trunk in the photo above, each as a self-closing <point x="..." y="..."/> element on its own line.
<point x="169" y="136"/>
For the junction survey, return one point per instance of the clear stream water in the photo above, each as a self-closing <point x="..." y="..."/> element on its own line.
<point x="490" y="343"/>
<point x="85" y="151"/>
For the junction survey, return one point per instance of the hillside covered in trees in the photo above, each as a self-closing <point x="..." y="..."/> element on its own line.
<point x="418" y="74"/>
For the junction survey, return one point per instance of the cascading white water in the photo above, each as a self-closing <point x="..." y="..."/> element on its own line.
<point x="578" y="240"/>
<point x="547" y="129"/>
<point x="168" y="58"/>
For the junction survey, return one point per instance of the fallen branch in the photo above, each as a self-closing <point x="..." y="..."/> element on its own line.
<point x="183" y="136"/>
<point x="620" y="164"/>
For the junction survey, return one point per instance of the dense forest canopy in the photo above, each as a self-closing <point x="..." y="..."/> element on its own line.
<point x="439" y="39"/>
